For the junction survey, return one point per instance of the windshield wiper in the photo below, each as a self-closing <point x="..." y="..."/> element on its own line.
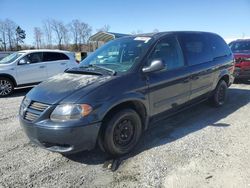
<point x="80" y="71"/>
<point x="113" y="72"/>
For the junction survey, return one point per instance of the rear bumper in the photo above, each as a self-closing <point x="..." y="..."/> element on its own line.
<point x="66" y="140"/>
<point x="241" y="73"/>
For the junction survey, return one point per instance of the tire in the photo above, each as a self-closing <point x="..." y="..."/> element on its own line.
<point x="220" y="94"/>
<point x="122" y="132"/>
<point x="6" y="87"/>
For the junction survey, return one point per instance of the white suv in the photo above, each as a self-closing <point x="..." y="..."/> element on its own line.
<point x="29" y="67"/>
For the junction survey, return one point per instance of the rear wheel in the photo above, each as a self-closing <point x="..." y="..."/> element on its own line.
<point x="122" y="132"/>
<point x="6" y="87"/>
<point x="220" y="94"/>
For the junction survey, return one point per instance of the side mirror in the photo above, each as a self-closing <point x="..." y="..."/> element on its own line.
<point x="23" y="62"/>
<point x="155" y="65"/>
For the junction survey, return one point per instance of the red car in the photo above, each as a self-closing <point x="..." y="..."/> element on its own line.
<point x="241" y="50"/>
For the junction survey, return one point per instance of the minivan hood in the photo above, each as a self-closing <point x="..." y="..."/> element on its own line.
<point x="61" y="86"/>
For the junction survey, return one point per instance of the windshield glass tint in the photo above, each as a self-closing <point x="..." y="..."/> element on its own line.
<point x="240" y="46"/>
<point x="119" y="55"/>
<point x="10" y="58"/>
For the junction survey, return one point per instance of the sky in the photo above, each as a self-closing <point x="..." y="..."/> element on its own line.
<point x="229" y="18"/>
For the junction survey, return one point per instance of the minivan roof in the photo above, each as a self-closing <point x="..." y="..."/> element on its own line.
<point x="161" y="34"/>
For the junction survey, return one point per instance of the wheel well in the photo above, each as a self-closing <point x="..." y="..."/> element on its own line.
<point x="9" y="77"/>
<point x="225" y="78"/>
<point x="135" y="105"/>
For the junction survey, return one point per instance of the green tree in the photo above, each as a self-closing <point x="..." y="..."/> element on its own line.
<point x="20" y="36"/>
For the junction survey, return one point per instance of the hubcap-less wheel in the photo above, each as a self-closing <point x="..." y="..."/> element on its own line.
<point x="123" y="133"/>
<point x="220" y="94"/>
<point x="6" y="87"/>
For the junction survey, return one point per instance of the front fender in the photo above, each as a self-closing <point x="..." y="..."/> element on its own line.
<point x="11" y="77"/>
<point x="128" y="97"/>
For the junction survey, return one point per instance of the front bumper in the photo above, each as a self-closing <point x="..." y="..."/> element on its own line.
<point x="66" y="139"/>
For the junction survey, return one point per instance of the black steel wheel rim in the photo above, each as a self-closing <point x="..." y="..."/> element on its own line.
<point x="124" y="133"/>
<point x="5" y="87"/>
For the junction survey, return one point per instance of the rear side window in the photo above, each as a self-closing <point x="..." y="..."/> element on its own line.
<point x="219" y="46"/>
<point x="54" y="56"/>
<point x="195" y="48"/>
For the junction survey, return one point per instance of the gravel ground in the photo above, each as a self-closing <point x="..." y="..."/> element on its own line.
<point x="200" y="147"/>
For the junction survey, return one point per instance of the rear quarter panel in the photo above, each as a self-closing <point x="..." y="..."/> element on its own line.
<point x="223" y="67"/>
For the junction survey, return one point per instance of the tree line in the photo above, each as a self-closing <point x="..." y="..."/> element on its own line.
<point x="11" y="35"/>
<point x="70" y="36"/>
<point x="52" y="34"/>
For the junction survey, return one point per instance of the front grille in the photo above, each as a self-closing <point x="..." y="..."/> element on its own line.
<point x="32" y="110"/>
<point x="38" y="106"/>
<point x="31" y="116"/>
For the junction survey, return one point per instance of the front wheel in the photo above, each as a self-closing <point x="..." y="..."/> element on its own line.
<point x="122" y="132"/>
<point x="6" y="87"/>
<point x="220" y="94"/>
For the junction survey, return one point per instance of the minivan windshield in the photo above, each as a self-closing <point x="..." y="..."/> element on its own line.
<point x="240" y="46"/>
<point x="118" y="55"/>
<point x="10" y="58"/>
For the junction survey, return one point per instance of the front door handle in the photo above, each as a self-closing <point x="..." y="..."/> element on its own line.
<point x="42" y="67"/>
<point x="63" y="63"/>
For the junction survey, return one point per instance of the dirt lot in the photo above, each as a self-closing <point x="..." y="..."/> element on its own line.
<point x="201" y="147"/>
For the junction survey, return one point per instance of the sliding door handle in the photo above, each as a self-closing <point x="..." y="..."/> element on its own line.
<point x="195" y="77"/>
<point x="186" y="80"/>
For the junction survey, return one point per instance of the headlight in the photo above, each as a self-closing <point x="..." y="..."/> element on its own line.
<point x="66" y="112"/>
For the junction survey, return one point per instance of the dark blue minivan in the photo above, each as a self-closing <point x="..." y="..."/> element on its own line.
<point x="121" y="88"/>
